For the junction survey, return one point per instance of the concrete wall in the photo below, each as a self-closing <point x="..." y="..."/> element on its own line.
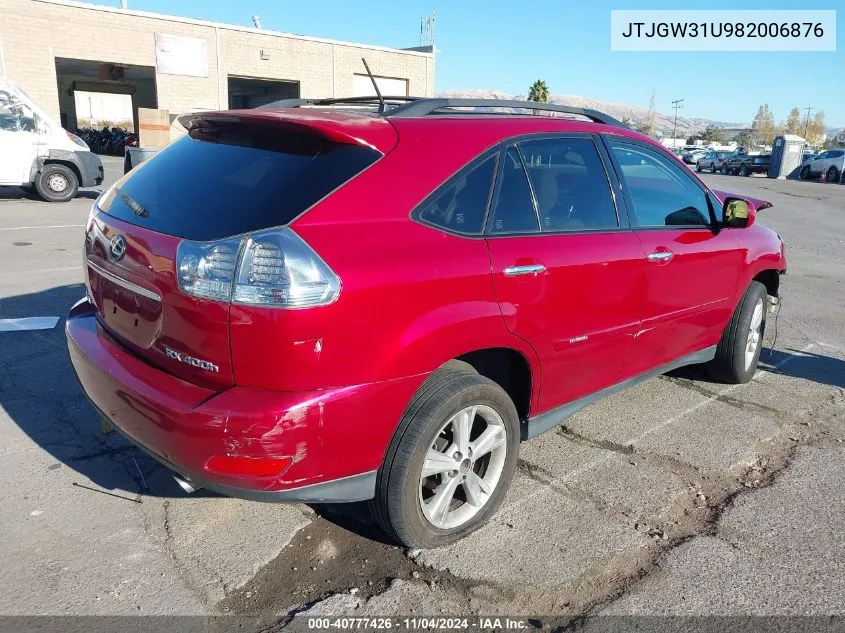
<point x="34" y="32"/>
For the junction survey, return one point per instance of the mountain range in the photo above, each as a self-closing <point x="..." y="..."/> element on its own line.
<point x="663" y="122"/>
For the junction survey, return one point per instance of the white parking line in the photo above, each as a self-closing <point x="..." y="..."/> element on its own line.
<point x="48" y="226"/>
<point x="17" y="273"/>
<point x="28" y="323"/>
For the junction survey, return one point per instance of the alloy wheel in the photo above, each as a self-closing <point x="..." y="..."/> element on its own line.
<point x="754" y="334"/>
<point x="462" y="467"/>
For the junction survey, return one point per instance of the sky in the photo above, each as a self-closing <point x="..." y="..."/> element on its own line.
<point x="506" y="45"/>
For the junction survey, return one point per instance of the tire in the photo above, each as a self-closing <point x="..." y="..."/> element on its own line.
<point x="56" y="183"/>
<point x="743" y="170"/>
<point x="832" y="174"/>
<point x="804" y="174"/>
<point x="735" y="362"/>
<point x="398" y="506"/>
<point x="724" y="169"/>
<point x="698" y="166"/>
<point x="713" y="168"/>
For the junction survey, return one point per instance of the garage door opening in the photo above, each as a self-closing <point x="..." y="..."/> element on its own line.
<point x="95" y="94"/>
<point x="247" y="92"/>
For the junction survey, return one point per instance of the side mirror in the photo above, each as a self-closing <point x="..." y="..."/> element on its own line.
<point x="738" y="213"/>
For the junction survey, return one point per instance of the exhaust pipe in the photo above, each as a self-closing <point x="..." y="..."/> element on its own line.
<point x="184" y="485"/>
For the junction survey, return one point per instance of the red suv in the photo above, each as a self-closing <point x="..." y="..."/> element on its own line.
<point x="319" y="304"/>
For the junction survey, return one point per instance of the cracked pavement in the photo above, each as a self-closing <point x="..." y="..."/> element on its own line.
<point x="678" y="496"/>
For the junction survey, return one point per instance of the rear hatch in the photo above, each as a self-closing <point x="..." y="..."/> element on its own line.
<point x="234" y="173"/>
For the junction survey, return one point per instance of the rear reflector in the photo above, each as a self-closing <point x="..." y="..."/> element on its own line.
<point x="248" y="466"/>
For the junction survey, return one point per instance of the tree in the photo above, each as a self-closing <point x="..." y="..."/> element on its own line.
<point x="815" y="129"/>
<point x="711" y="134"/>
<point x="763" y="126"/>
<point x="744" y="137"/>
<point x="539" y="92"/>
<point x="643" y="127"/>
<point x="793" y="123"/>
<point x="651" y="119"/>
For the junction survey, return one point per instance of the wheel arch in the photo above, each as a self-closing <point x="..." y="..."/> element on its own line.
<point x="66" y="163"/>
<point x="770" y="278"/>
<point x="509" y="369"/>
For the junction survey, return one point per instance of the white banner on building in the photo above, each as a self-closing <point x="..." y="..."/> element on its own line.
<point x="180" y="55"/>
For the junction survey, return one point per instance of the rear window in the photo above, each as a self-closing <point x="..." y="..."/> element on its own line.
<point x="216" y="183"/>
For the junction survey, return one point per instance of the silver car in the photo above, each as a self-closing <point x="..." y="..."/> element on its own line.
<point x="831" y="163"/>
<point x="712" y="160"/>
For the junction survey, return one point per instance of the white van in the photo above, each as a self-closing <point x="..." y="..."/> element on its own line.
<point x="36" y="153"/>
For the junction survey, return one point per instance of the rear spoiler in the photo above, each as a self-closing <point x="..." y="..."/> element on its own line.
<point x="337" y="127"/>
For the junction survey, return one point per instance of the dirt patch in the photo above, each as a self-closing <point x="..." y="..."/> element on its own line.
<point x="340" y="551"/>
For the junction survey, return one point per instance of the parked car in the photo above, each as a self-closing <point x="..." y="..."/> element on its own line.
<point x="303" y="303"/>
<point x="744" y="162"/>
<point x="691" y="156"/>
<point x="712" y="160"/>
<point x="832" y="160"/>
<point x="38" y="155"/>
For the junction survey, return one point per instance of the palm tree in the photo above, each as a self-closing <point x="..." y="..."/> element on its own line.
<point x="539" y="92"/>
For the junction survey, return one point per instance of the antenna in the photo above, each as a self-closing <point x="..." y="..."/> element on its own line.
<point x="427" y="29"/>
<point x="375" y="85"/>
<point x="256" y="20"/>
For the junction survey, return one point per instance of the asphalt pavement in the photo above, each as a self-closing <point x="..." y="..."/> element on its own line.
<point x="679" y="496"/>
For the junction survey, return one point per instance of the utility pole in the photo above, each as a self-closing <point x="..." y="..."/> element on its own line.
<point x="677" y="105"/>
<point x="807" y="121"/>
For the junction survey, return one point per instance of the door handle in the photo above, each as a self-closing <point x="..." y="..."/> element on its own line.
<point x="660" y="256"/>
<point x="529" y="269"/>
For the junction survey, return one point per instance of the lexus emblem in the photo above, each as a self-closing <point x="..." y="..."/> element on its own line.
<point x="117" y="247"/>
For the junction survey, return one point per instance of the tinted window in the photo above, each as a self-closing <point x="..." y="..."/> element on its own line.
<point x="514" y="209"/>
<point x="570" y="184"/>
<point x="461" y="205"/>
<point x="233" y="181"/>
<point x="662" y="192"/>
<point x="835" y="153"/>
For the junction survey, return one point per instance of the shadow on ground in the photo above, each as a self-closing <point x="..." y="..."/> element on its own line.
<point x="40" y="393"/>
<point x="825" y="370"/>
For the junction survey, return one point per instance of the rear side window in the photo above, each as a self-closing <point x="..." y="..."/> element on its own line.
<point x="461" y="205"/>
<point x="570" y="184"/>
<point x="514" y="210"/>
<point x="221" y="182"/>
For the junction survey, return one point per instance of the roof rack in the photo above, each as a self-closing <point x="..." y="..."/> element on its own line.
<point x="407" y="107"/>
<point x="371" y="100"/>
<point x="425" y="107"/>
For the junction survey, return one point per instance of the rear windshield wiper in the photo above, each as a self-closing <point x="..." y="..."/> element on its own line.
<point x="137" y="209"/>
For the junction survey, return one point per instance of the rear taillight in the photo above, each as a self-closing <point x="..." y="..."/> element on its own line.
<point x="272" y="268"/>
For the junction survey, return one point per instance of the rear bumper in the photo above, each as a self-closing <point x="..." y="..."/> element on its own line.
<point x="336" y="437"/>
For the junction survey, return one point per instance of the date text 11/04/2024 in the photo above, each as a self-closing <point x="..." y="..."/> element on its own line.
<point x="419" y="623"/>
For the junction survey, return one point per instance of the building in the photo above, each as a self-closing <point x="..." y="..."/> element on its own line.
<point x="58" y="49"/>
